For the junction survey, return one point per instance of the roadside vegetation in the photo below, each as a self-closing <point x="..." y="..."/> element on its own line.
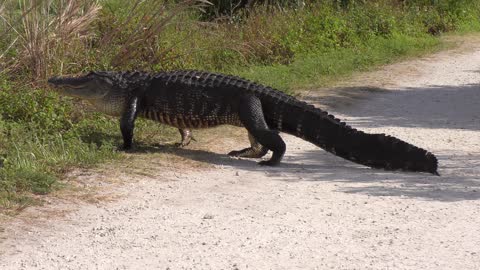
<point x="287" y="44"/>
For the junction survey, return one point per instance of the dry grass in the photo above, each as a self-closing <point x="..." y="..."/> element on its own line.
<point x="44" y="29"/>
<point x="48" y="37"/>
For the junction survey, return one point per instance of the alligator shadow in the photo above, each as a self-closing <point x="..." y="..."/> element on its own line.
<point x="458" y="181"/>
<point x="320" y="166"/>
<point x="435" y="107"/>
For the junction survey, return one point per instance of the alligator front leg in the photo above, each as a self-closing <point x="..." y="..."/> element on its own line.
<point x="187" y="137"/>
<point x="251" y="115"/>
<point x="127" y="123"/>
<point x="256" y="150"/>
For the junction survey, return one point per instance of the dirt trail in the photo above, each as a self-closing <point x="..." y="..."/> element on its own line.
<point x="315" y="211"/>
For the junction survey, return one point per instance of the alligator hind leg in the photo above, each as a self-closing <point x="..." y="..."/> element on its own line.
<point x="187" y="137"/>
<point x="256" y="150"/>
<point x="251" y="115"/>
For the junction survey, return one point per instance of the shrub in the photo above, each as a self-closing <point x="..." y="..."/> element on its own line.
<point x="40" y="138"/>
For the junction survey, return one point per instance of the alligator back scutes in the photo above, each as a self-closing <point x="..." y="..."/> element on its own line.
<point x="127" y="79"/>
<point x="306" y="108"/>
<point x="266" y="93"/>
<point x="193" y="77"/>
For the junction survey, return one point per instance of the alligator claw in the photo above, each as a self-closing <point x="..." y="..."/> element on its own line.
<point x="267" y="163"/>
<point x="234" y="153"/>
<point x="127" y="149"/>
<point x="182" y="144"/>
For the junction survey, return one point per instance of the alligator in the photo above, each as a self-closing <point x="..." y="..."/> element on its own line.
<point x="190" y="99"/>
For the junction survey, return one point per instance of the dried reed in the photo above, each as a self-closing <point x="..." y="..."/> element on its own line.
<point x="43" y="31"/>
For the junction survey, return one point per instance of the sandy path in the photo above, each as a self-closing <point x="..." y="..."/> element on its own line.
<point x="315" y="211"/>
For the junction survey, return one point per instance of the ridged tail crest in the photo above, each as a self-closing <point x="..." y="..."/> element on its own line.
<point x="373" y="150"/>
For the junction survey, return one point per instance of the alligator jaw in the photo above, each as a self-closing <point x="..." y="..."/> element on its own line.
<point x="70" y="82"/>
<point x="84" y="87"/>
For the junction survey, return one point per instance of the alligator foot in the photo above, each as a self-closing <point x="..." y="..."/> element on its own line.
<point x="256" y="150"/>
<point x="187" y="137"/>
<point x="269" y="162"/>
<point x="126" y="148"/>
<point x="183" y="144"/>
<point x="250" y="152"/>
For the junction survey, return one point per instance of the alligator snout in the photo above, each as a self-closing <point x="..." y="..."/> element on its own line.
<point x="71" y="82"/>
<point x="54" y="80"/>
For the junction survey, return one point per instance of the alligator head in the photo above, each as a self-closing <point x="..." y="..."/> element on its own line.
<point x="92" y="86"/>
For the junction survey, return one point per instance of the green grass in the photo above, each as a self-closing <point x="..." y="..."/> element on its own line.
<point x="310" y="71"/>
<point x="42" y="135"/>
<point x="40" y="140"/>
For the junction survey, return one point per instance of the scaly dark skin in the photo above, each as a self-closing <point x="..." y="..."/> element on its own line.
<point x="194" y="99"/>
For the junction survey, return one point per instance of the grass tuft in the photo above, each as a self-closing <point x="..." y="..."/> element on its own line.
<point x="44" y="30"/>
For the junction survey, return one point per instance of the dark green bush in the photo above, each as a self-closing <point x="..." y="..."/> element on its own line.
<point x="235" y="9"/>
<point x="40" y="110"/>
<point x="40" y="138"/>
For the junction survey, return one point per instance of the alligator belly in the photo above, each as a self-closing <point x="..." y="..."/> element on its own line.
<point x="192" y="122"/>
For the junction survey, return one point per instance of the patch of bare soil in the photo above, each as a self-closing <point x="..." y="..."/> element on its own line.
<point x="195" y="208"/>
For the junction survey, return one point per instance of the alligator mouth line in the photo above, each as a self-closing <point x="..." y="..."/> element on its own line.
<point x="73" y="86"/>
<point x="66" y="83"/>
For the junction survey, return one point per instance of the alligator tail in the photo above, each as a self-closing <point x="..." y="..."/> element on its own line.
<point x="373" y="150"/>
